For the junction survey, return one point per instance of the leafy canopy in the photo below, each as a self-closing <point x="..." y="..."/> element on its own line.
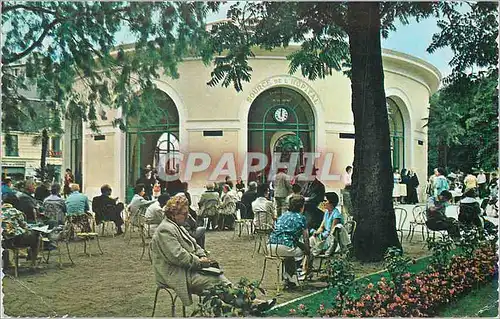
<point x="62" y="44"/>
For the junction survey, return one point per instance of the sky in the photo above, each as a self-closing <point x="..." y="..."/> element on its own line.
<point x="412" y="39"/>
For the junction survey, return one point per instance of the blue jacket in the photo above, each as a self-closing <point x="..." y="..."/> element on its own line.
<point x="77" y="204"/>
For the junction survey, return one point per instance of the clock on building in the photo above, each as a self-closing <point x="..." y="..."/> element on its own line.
<point x="281" y="115"/>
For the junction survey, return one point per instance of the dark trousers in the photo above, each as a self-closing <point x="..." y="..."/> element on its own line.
<point x="29" y="239"/>
<point x="113" y="214"/>
<point x="444" y="223"/>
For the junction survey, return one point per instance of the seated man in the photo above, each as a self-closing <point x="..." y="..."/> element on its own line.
<point x="77" y="208"/>
<point x="322" y="237"/>
<point x="263" y="210"/>
<point x="469" y="211"/>
<point x="247" y="199"/>
<point x="138" y="204"/>
<point x="436" y="215"/>
<point x="179" y="262"/>
<point x="15" y="232"/>
<point x="54" y="207"/>
<point x="209" y="206"/>
<point x="154" y="213"/>
<point x="107" y="208"/>
<point x="284" y="241"/>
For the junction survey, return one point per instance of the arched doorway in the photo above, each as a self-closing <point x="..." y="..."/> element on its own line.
<point x="397" y="134"/>
<point x="280" y="110"/>
<point x="75" y="149"/>
<point x="151" y="136"/>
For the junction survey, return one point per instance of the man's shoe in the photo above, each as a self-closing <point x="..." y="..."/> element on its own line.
<point x="265" y="306"/>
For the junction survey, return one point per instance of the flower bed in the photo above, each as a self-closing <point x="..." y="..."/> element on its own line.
<point x="415" y="293"/>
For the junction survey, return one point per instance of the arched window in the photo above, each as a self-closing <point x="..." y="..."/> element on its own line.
<point x="281" y="112"/>
<point x="150" y="132"/>
<point x="396" y="129"/>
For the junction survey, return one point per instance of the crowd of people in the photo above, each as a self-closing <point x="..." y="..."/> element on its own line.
<point x="478" y="198"/>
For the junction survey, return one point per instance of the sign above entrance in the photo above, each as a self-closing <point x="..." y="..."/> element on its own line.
<point x="286" y="81"/>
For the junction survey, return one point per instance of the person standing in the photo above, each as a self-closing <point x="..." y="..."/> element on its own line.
<point x="282" y="188"/>
<point x="68" y="180"/>
<point x="481" y="184"/>
<point x="440" y="182"/>
<point x="314" y="194"/>
<point x="346" y="192"/>
<point x="412" y="185"/>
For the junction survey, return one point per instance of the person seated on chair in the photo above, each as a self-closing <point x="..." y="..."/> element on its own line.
<point x="15" y="232"/>
<point x="263" y="210"/>
<point x="197" y="232"/>
<point x="469" y="211"/>
<point x="318" y="241"/>
<point x="27" y="203"/>
<point x="296" y="190"/>
<point x="209" y="206"/>
<point x="179" y="262"/>
<point x="247" y="199"/>
<point x="54" y="207"/>
<point x="138" y="203"/>
<point x="77" y="208"/>
<point x="154" y="213"/>
<point x="107" y="208"/>
<point x="227" y="209"/>
<point x="284" y="241"/>
<point x="436" y="215"/>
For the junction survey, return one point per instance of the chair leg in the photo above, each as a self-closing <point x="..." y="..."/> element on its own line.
<point x="99" y="245"/>
<point x="69" y="254"/>
<point x="173" y="305"/>
<point x="156" y="299"/>
<point x="278" y="279"/>
<point x="16" y="261"/>
<point x="149" y="255"/>
<point x="263" y="271"/>
<point x="183" y="311"/>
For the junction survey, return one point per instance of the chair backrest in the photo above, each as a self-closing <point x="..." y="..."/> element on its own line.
<point x="403" y="214"/>
<point x="241" y="210"/>
<point x="263" y="220"/>
<point x="350" y="227"/>
<point x="419" y="213"/>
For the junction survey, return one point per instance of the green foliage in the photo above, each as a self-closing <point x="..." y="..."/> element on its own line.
<point x="48" y="174"/>
<point x="396" y="263"/>
<point x="463" y="130"/>
<point x="340" y="277"/>
<point x="469" y="241"/>
<point x="64" y="45"/>
<point x="223" y="301"/>
<point x="441" y="251"/>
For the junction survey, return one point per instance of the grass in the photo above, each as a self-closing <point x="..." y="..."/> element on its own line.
<point x="119" y="284"/>
<point x="481" y="302"/>
<point x="324" y="297"/>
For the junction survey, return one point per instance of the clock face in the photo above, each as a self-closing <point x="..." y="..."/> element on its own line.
<point x="281" y="115"/>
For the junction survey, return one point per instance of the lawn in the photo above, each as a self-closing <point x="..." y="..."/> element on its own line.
<point x="118" y="284"/>
<point x="482" y="302"/>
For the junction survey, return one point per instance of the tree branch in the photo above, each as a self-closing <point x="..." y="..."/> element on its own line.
<point x="25" y="7"/>
<point x="38" y="42"/>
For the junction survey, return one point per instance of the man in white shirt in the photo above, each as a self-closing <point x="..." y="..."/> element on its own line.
<point x="282" y="188"/>
<point x="346" y="193"/>
<point x="263" y="209"/>
<point x="481" y="184"/>
<point x="154" y="213"/>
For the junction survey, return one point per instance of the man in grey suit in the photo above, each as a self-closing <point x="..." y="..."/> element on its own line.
<point x="282" y="188"/>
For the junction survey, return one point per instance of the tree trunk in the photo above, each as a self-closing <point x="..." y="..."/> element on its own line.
<point x="43" y="158"/>
<point x="372" y="174"/>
